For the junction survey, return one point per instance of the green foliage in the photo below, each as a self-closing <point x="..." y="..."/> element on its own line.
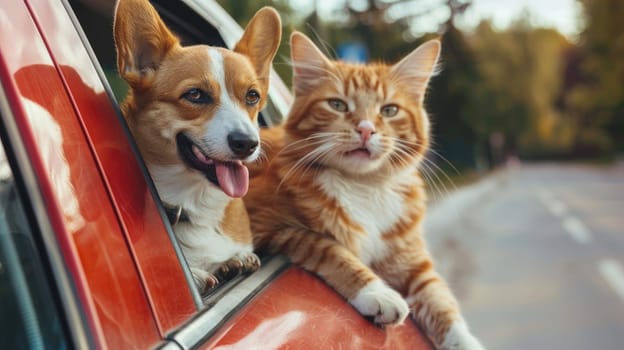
<point x="451" y="102"/>
<point x="521" y="70"/>
<point x="598" y="101"/>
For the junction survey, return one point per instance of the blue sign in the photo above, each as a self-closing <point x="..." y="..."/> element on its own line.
<point x="353" y="52"/>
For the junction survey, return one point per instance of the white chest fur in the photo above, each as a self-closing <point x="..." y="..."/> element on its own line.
<point x="203" y="245"/>
<point x="376" y="209"/>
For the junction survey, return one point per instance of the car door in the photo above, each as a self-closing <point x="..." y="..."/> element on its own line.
<point x="79" y="237"/>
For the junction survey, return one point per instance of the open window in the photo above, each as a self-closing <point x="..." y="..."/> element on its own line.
<point x="194" y="23"/>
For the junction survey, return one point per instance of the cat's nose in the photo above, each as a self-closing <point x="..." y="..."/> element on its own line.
<point x="365" y="128"/>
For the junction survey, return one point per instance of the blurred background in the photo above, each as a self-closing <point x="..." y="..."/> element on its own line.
<point x="533" y="78"/>
<point x="526" y="176"/>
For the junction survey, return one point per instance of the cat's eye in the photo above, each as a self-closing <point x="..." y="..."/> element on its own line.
<point x="389" y="111"/>
<point x="197" y="96"/>
<point x="338" y="105"/>
<point x="252" y="98"/>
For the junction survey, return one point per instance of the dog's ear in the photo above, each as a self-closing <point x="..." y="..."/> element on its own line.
<point x="261" y="40"/>
<point x="142" y="40"/>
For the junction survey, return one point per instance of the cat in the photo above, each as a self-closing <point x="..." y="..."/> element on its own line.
<point x="341" y="194"/>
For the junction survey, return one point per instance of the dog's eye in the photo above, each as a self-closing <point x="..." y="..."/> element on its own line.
<point x="197" y="96"/>
<point x="252" y="98"/>
<point x="337" y="104"/>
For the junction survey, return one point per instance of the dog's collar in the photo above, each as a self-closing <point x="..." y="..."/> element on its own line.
<point x="175" y="213"/>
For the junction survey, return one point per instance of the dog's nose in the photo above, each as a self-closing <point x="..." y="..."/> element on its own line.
<point x="242" y="144"/>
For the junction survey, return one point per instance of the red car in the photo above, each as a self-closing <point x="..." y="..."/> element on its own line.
<point x="87" y="255"/>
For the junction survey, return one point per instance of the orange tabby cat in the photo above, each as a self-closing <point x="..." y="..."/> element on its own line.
<point x="342" y="195"/>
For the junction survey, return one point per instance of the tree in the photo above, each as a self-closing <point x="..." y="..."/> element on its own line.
<point x="451" y="102"/>
<point x="598" y="100"/>
<point x="522" y="70"/>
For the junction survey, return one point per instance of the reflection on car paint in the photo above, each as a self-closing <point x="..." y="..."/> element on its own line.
<point x="48" y="133"/>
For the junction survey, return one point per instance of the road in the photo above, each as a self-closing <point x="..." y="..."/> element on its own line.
<point x="535" y="254"/>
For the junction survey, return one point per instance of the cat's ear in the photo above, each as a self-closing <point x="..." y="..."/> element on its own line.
<point x="309" y="63"/>
<point x="418" y="67"/>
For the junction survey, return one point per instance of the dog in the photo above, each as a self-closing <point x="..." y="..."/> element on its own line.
<point x="193" y="111"/>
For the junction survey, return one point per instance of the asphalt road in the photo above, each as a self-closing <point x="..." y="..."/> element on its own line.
<point x="535" y="254"/>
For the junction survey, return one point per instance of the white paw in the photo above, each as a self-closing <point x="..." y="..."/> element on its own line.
<point x="382" y="302"/>
<point x="203" y="279"/>
<point x="460" y="338"/>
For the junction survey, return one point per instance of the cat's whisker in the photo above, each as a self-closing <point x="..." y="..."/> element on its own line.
<point x="431" y="183"/>
<point x="436" y="186"/>
<point x="439" y="155"/>
<point x="306" y="161"/>
<point x="430" y="150"/>
<point x="403" y="153"/>
<point x="321" y="155"/>
<point x="312" y="140"/>
<point x="293" y="148"/>
<point x="431" y="177"/>
<point x="406" y="142"/>
<point x="294" y="167"/>
<point x="435" y="178"/>
<point x="434" y="170"/>
<point x="396" y="161"/>
<point x="440" y="170"/>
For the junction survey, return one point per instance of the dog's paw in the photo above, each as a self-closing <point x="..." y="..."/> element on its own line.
<point x="238" y="265"/>
<point x="211" y="281"/>
<point x="460" y="338"/>
<point x="251" y="262"/>
<point x="381" y="302"/>
<point x="204" y="280"/>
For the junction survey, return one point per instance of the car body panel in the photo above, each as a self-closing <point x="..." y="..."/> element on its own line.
<point x="77" y="200"/>
<point x="299" y="311"/>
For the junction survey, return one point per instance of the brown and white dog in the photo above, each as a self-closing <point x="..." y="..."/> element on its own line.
<point x="192" y="111"/>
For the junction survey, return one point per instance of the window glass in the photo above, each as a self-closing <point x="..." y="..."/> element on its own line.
<point x="30" y="319"/>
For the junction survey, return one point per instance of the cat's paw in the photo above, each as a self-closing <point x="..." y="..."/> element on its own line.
<point x="460" y="338"/>
<point x="383" y="303"/>
<point x="237" y="265"/>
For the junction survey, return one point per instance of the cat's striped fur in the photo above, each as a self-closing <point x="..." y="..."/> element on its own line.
<point x="342" y="195"/>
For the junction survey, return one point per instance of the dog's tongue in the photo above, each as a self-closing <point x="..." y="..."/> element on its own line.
<point x="233" y="178"/>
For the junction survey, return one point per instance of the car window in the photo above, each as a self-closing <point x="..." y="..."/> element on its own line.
<point x="30" y="317"/>
<point x="95" y="19"/>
